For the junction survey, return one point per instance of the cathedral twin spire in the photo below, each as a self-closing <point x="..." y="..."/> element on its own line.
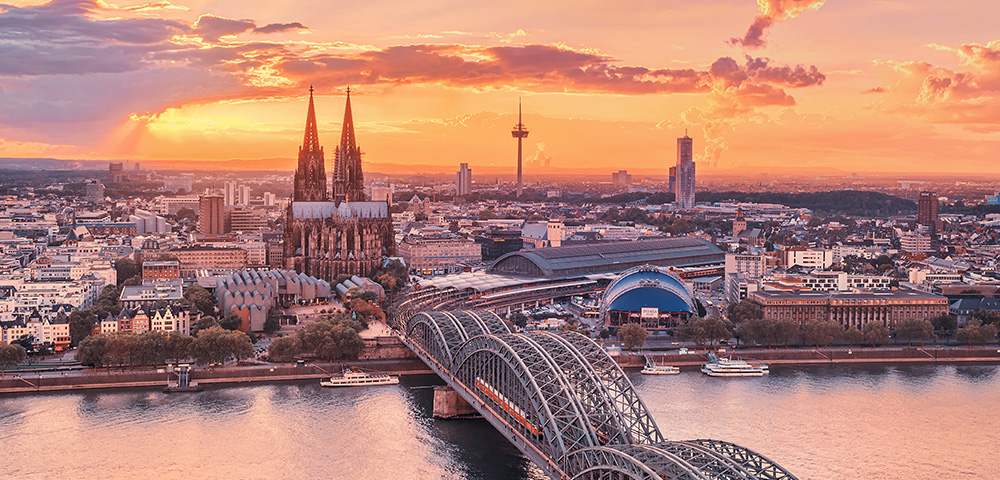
<point x="310" y="173"/>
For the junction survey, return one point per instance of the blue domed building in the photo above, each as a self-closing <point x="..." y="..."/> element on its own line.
<point x="652" y="296"/>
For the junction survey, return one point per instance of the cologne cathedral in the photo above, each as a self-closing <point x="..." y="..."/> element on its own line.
<point x="329" y="233"/>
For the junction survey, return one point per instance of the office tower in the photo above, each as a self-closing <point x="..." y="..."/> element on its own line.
<point x="684" y="183"/>
<point x="463" y="180"/>
<point x="210" y="216"/>
<point x="672" y="179"/>
<point x="621" y="178"/>
<point x="519" y="132"/>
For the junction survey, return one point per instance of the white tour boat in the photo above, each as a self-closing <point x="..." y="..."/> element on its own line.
<point x="727" y="367"/>
<point x="357" y="378"/>
<point x="652" y="368"/>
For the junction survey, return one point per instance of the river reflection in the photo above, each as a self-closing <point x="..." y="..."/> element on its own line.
<point x="821" y="422"/>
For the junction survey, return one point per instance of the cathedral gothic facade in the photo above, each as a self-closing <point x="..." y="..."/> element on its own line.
<point x="334" y="232"/>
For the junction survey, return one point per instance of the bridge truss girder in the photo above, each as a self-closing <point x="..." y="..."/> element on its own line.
<point x="564" y="402"/>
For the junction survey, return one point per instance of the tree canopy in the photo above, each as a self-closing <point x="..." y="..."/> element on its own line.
<point x="632" y="336"/>
<point x="11" y="354"/>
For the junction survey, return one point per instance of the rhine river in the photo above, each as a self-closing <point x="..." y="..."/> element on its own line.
<point x="830" y="422"/>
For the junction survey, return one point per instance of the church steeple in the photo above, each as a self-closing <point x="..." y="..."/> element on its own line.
<point x="348" y="180"/>
<point x="347" y="134"/>
<point x="311" y="140"/>
<point x="310" y="173"/>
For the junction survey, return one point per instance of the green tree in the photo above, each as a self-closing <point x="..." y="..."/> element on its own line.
<point x="944" y="324"/>
<point x="852" y="336"/>
<point x="915" y="330"/>
<point x="632" y="336"/>
<point x="125" y="269"/>
<point x="821" y="332"/>
<point x="134" y="281"/>
<point x="976" y="333"/>
<point x="273" y="322"/>
<point x="200" y="297"/>
<point x="10" y="354"/>
<point x="150" y="348"/>
<point x="186" y="214"/>
<point x="80" y="324"/>
<point x="754" y="331"/>
<point x="987" y="317"/>
<point x="284" y="349"/>
<point x="91" y="350"/>
<point x="107" y="302"/>
<point x="25" y="341"/>
<point x="875" y="333"/>
<point x="519" y="319"/>
<point x="742" y="311"/>
<point x="231" y="322"/>
<point x="218" y="345"/>
<point x="332" y="338"/>
<point x="708" y="330"/>
<point x="782" y="332"/>
<point x="204" y="323"/>
<point x="177" y="347"/>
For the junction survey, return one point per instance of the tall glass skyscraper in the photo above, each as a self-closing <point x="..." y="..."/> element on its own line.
<point x="684" y="174"/>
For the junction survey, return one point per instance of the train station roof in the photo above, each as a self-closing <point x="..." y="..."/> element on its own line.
<point x="604" y="257"/>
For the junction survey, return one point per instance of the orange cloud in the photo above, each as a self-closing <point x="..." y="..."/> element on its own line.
<point x="771" y="12"/>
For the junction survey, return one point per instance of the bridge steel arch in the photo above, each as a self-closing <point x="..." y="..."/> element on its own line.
<point x="564" y="402"/>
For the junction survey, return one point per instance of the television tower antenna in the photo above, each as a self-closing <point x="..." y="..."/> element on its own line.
<point x="519" y="133"/>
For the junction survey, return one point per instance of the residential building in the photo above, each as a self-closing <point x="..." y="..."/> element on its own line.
<point x="211" y="219"/>
<point x="808" y="258"/>
<point x="196" y="257"/>
<point x="914" y="242"/>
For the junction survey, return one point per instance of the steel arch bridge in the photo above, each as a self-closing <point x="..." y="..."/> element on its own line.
<point x="566" y="404"/>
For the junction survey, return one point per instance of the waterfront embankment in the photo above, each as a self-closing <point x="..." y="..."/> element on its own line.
<point x="825" y="356"/>
<point x="90" y="378"/>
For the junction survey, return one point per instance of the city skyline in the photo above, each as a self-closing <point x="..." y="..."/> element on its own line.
<point x="858" y="85"/>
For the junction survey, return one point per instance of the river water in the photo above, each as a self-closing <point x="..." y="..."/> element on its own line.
<point x="829" y="422"/>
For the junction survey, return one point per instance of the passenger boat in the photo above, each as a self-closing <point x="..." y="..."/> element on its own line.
<point x="357" y="378"/>
<point x="727" y="367"/>
<point x="652" y="368"/>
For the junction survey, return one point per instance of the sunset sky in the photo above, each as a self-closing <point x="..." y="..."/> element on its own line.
<point x="858" y="85"/>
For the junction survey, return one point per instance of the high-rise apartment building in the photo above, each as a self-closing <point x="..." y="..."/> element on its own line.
<point x="684" y="172"/>
<point x="230" y="192"/>
<point x="210" y="216"/>
<point x="95" y="192"/>
<point x="463" y="180"/>
<point x="927" y="211"/>
<point x="243" y="195"/>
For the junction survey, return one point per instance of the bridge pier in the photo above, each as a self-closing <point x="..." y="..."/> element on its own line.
<point x="449" y="404"/>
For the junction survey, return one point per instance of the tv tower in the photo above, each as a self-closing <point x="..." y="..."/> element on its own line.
<point x="519" y="132"/>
